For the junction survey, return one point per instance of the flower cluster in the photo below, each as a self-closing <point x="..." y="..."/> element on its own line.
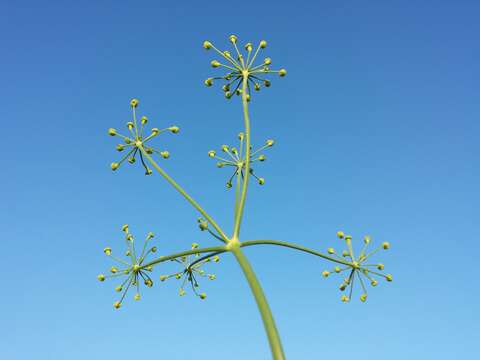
<point x="237" y="159"/>
<point x="357" y="267"/>
<point x="137" y="140"/>
<point x="242" y="71"/>
<point x="191" y="271"/>
<point x="132" y="269"/>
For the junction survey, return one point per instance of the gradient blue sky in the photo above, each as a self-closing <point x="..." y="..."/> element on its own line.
<point x="377" y="130"/>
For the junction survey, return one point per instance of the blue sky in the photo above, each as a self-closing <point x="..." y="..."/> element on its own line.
<point x="376" y="128"/>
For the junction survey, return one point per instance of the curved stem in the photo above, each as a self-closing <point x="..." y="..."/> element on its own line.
<point x="184" y="193"/>
<point x="265" y="312"/>
<point x="213" y="249"/>
<point x="241" y="204"/>
<point x="294" y="246"/>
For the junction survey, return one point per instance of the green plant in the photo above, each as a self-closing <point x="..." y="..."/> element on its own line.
<point x="242" y="76"/>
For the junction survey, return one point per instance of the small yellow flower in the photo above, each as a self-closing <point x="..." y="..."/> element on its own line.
<point x="112" y="132"/>
<point x="195" y="246"/>
<point x="163" y="277"/>
<point x="249" y="47"/>
<point x="134" y="103"/>
<point x="270" y="142"/>
<point x="216" y="258"/>
<point x="113" y="270"/>
<point x="345" y="298"/>
<point x="380" y="266"/>
<point x="174" y="129"/>
<point x="207" y="45"/>
<point x="125" y="228"/>
<point x="118" y="288"/>
<point x="144" y="120"/>
<point x="374" y="283"/>
<point x="366" y="239"/>
<point x="337" y="269"/>
<point x="117" y="304"/>
<point x="340" y="234"/>
<point x="233" y="39"/>
<point x="389" y="277"/>
<point x="181" y="292"/>
<point x="114" y="166"/>
<point x="101" y="277"/>
<point x="203" y="296"/>
<point x="331" y="250"/>
<point x="363" y="297"/>
<point x="215" y="63"/>
<point x="386" y="245"/>
<point x="212" y="276"/>
<point x="263" y="44"/>
<point x="282" y="72"/>
<point x="267" y="61"/>
<point x="107" y="251"/>
<point x="209" y="82"/>
<point x="212" y="153"/>
<point x="165" y="154"/>
<point x="136" y="297"/>
<point x="326" y="273"/>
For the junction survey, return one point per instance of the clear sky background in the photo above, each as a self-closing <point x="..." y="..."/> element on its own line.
<point x="377" y="132"/>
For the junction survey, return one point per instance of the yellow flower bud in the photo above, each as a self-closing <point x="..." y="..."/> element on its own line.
<point x="149" y="150"/>
<point x="207" y="45"/>
<point x="117" y="304"/>
<point x="212" y="276"/>
<point x="148" y="283"/>
<point x="144" y="120"/>
<point x="282" y="72"/>
<point x="228" y="95"/>
<point x="261" y="181"/>
<point x="127" y="253"/>
<point x="224" y="148"/>
<point x="113" y="270"/>
<point x="118" y="288"/>
<point x="331" y="250"/>
<point x="263" y="44"/>
<point x="209" y="82"/>
<point x="348" y="237"/>
<point x="215" y="63"/>
<point x="229" y="184"/>
<point x="148" y="172"/>
<point x="249" y="47"/>
<point x="195" y="246"/>
<point x="256" y="87"/>
<point x="211" y="153"/>
<point x="267" y="83"/>
<point x="326" y="273"/>
<point x="247" y="97"/>
<point x="136" y="297"/>
<point x="386" y="245"/>
<point x="174" y="129"/>
<point x="226" y="53"/>
<point x="216" y="258"/>
<point x="389" y="277"/>
<point x="374" y="283"/>
<point x="120" y="147"/>
<point x="131" y="160"/>
<point x="366" y="239"/>
<point x="112" y="132"/>
<point x="340" y="234"/>
<point x="101" y="277"/>
<point x="267" y="61"/>
<point x="380" y="266"/>
<point x="363" y="297"/>
<point x="343" y="287"/>
<point x="337" y="269"/>
<point x="178" y="276"/>
<point x="150" y="235"/>
<point x="345" y="298"/>
<point x="130" y="125"/>
<point x="114" y="166"/>
<point x="220" y="164"/>
<point x="125" y="228"/>
<point x="165" y="154"/>
<point x="203" y="296"/>
<point x="262" y="158"/>
<point x="233" y="39"/>
<point x="181" y="292"/>
<point x="345" y="253"/>
<point x="155" y="131"/>
<point x="107" y="251"/>
<point x="134" y="103"/>
<point x="127" y="140"/>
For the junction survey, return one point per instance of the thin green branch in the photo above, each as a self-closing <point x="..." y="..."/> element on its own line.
<point x="217" y="249"/>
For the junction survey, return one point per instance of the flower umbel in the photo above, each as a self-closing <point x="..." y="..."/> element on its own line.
<point x="358" y="267"/>
<point x="132" y="268"/>
<point x="191" y="270"/>
<point x="137" y="140"/>
<point x="237" y="159"/>
<point x="240" y="68"/>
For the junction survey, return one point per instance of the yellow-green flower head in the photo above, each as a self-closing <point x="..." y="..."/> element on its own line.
<point x="207" y="45"/>
<point x="137" y="142"/>
<point x="345" y="298"/>
<point x="117" y="304"/>
<point x="113" y="270"/>
<point x="107" y="251"/>
<point x="242" y="73"/>
<point x="136" y="297"/>
<point x="163" y="277"/>
<point x="195" y="246"/>
<point x="357" y="266"/>
<point x="386" y="245"/>
<point x="203" y="296"/>
<point x="101" y="277"/>
<point x="211" y="153"/>
<point x="331" y="250"/>
<point x="325" y="273"/>
<point x="216" y="258"/>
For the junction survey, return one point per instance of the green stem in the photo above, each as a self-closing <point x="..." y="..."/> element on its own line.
<point x="184" y="193"/>
<point x="294" y="246"/>
<point x="216" y="249"/>
<point x="241" y="205"/>
<point x="265" y="312"/>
